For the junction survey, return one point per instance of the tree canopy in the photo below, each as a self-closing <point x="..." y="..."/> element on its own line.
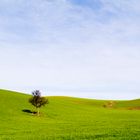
<point x="37" y="100"/>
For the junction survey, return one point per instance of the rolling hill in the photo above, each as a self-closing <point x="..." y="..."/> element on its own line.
<point x="67" y="118"/>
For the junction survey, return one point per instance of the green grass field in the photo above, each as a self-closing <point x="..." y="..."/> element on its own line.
<point x="66" y="118"/>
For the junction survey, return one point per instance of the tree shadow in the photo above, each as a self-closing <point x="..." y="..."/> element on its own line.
<point x="29" y="111"/>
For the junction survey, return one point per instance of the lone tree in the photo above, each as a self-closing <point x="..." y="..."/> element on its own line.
<point x="37" y="100"/>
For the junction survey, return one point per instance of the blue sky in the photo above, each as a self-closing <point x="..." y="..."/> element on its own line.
<point x="83" y="48"/>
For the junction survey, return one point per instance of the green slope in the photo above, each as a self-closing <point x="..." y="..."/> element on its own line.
<point x="68" y="118"/>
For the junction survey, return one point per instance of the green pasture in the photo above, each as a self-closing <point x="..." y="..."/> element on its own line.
<point x="67" y="118"/>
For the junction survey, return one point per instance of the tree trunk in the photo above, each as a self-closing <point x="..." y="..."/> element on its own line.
<point x="38" y="111"/>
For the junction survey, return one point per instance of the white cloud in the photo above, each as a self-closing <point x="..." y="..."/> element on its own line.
<point x="60" y="45"/>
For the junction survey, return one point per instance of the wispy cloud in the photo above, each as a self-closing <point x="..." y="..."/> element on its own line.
<point x="70" y="44"/>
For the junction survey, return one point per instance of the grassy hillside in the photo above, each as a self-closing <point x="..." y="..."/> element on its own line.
<point x="68" y="118"/>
